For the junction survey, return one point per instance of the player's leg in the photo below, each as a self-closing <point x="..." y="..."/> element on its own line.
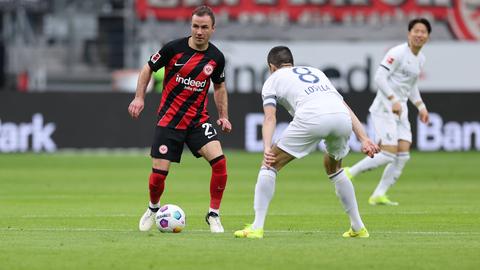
<point x="390" y="175"/>
<point x="213" y="153"/>
<point x="264" y="190"/>
<point x="265" y="186"/>
<point x="203" y="142"/>
<point x="385" y="130"/>
<point x="297" y="141"/>
<point x="336" y="143"/>
<point x="156" y="185"/>
<point x="167" y="147"/>
<point x="393" y="170"/>
<point x="346" y="193"/>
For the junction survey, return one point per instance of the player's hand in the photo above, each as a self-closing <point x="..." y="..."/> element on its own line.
<point x="397" y="108"/>
<point x="423" y="114"/>
<point x="136" y="107"/>
<point x="225" y="124"/>
<point x="268" y="158"/>
<point x="369" y="148"/>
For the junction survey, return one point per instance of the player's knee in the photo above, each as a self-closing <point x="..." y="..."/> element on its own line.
<point x="219" y="165"/>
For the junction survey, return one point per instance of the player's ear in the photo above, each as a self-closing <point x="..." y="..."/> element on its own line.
<point x="213" y="28"/>
<point x="272" y="67"/>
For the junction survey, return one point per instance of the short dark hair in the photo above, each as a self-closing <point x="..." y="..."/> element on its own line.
<point x="279" y="56"/>
<point x="424" y="21"/>
<point x="204" y="10"/>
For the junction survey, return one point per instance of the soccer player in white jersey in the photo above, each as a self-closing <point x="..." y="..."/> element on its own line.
<point x="319" y="112"/>
<point x="397" y="82"/>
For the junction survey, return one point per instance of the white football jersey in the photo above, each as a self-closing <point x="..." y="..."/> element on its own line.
<point x="302" y="91"/>
<point x="403" y="69"/>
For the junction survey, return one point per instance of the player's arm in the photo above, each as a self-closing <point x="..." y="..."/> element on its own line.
<point x="381" y="80"/>
<point x="137" y="104"/>
<point x="268" y="128"/>
<point x="220" y="97"/>
<point x="389" y="64"/>
<point x="368" y="147"/>
<point x="416" y="99"/>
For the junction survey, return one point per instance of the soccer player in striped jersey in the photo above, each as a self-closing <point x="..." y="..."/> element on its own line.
<point x="191" y="63"/>
<point x="397" y="82"/>
<point x="319" y="112"/>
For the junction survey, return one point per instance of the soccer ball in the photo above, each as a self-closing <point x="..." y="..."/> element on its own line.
<point x="170" y="218"/>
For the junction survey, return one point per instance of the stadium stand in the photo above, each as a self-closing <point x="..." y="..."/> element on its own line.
<point x="76" y="45"/>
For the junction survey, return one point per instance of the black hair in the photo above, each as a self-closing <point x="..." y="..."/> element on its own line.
<point x="424" y="21"/>
<point x="279" y="56"/>
<point x="204" y="10"/>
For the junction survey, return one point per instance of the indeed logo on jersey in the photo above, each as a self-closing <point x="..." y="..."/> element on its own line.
<point x="189" y="82"/>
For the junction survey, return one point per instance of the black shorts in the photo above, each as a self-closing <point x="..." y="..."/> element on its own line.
<point x="168" y="143"/>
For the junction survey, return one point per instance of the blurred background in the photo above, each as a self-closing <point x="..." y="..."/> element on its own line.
<point x="68" y="68"/>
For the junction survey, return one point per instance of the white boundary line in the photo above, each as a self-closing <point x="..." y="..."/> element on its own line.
<point x="205" y="231"/>
<point x="74" y="216"/>
<point x="230" y="214"/>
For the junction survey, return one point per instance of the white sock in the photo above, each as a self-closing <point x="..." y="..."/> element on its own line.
<point x="346" y="193"/>
<point x="216" y="211"/>
<point x="264" y="190"/>
<point x="153" y="205"/>
<point x="391" y="173"/>
<point x="369" y="163"/>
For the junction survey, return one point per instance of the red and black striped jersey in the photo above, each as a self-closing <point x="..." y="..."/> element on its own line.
<point x="187" y="79"/>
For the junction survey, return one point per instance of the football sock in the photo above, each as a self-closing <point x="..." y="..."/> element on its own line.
<point x="156" y="185"/>
<point x="369" y="163"/>
<point x="391" y="173"/>
<point x="154" y="206"/>
<point x="264" y="190"/>
<point x="216" y="211"/>
<point x="346" y="193"/>
<point x="218" y="181"/>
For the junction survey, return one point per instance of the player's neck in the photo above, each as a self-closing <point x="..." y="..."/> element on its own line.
<point x="274" y="68"/>
<point x="196" y="47"/>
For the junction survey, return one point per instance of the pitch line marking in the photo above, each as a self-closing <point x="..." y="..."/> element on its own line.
<point x="204" y="231"/>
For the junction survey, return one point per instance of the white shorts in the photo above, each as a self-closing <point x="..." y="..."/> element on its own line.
<point x="389" y="128"/>
<point x="302" y="137"/>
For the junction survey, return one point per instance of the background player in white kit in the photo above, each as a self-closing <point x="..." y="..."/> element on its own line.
<point x="319" y="112"/>
<point x="396" y="79"/>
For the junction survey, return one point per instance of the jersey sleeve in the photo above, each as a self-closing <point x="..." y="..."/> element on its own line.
<point x="381" y="80"/>
<point x="218" y="75"/>
<point x="269" y="95"/>
<point x="391" y="60"/>
<point x="161" y="58"/>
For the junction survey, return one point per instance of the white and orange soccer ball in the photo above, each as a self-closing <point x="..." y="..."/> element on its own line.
<point x="170" y="218"/>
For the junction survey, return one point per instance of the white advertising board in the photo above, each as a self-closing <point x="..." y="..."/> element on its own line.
<point x="450" y="66"/>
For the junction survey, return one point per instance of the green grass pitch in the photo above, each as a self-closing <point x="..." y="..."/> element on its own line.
<point x="81" y="211"/>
